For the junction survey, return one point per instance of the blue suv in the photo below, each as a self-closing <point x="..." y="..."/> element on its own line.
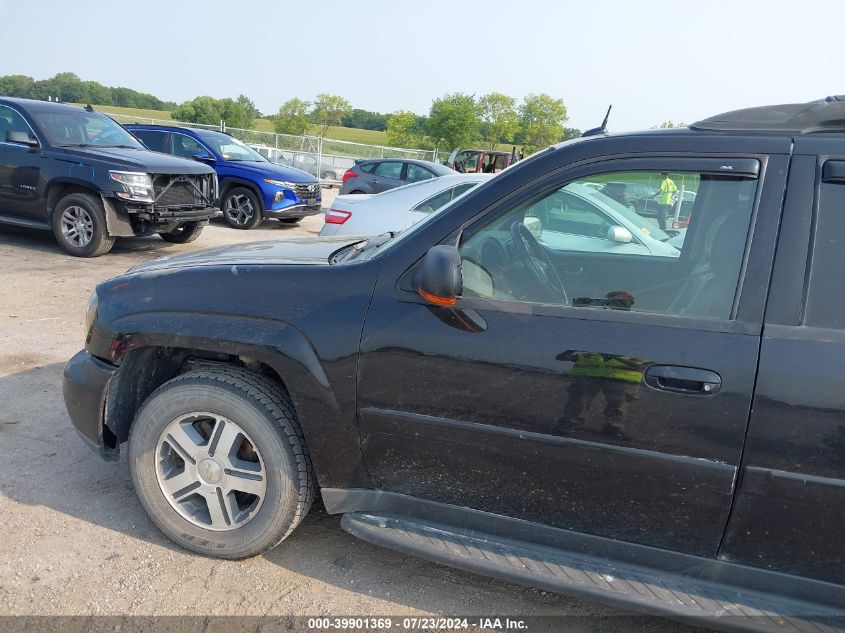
<point x="251" y="187"/>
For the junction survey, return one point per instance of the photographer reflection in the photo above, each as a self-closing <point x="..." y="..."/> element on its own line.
<point x="617" y="378"/>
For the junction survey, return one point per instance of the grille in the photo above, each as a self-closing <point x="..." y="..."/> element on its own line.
<point x="181" y="191"/>
<point x="305" y="191"/>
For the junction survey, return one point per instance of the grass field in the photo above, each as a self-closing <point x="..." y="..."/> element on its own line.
<point x="370" y="137"/>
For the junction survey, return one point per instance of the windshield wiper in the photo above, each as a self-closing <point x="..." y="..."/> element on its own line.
<point x="371" y="244"/>
<point x="355" y="249"/>
<point x="76" y="145"/>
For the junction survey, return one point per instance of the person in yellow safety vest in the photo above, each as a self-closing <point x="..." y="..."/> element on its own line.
<point x="665" y="199"/>
<point x="617" y="377"/>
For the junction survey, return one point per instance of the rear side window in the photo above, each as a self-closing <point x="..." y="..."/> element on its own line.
<point x="11" y="121"/>
<point x="153" y="140"/>
<point x="389" y="170"/>
<point x="825" y="305"/>
<point x="417" y="173"/>
<point x="367" y="167"/>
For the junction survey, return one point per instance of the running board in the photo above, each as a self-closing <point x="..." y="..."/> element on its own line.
<point x="695" y="601"/>
<point x="24" y="222"/>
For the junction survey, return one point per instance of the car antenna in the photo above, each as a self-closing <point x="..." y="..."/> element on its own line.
<point x="596" y="131"/>
<point x="89" y="108"/>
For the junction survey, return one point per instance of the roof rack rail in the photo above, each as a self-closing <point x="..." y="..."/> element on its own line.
<point x="823" y="115"/>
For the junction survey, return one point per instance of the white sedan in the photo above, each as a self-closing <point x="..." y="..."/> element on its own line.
<point x="395" y="209"/>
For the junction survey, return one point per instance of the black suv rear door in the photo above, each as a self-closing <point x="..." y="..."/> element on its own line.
<point x="626" y="423"/>
<point x="789" y="514"/>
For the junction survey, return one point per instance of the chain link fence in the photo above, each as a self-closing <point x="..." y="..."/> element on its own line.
<point x="325" y="158"/>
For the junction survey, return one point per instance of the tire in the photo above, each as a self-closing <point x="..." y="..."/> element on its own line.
<point x="184" y="234"/>
<point x="241" y="208"/>
<point x="330" y="175"/>
<point x="289" y="220"/>
<point x="79" y="225"/>
<point x="265" y="418"/>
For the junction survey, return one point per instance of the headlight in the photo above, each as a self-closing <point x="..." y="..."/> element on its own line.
<point x="281" y="183"/>
<point x="137" y="186"/>
<point x="91" y="312"/>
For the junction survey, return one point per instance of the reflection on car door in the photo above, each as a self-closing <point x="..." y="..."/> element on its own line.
<point x="625" y="423"/>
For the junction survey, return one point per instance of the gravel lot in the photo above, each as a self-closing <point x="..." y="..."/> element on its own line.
<point x="76" y="541"/>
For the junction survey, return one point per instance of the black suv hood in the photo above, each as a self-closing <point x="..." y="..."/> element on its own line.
<point x="309" y="250"/>
<point x="135" y="160"/>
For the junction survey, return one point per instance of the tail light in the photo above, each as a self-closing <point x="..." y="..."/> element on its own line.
<point x="337" y="216"/>
<point x="349" y="174"/>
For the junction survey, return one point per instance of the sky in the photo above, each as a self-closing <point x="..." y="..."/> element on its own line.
<point x="654" y="61"/>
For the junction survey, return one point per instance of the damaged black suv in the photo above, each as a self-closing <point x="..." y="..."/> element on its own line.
<point x="78" y="172"/>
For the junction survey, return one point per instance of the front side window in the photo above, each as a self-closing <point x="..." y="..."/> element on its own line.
<point x="69" y="128"/>
<point x="417" y="173"/>
<point x="389" y="170"/>
<point x="586" y="244"/>
<point x="186" y="147"/>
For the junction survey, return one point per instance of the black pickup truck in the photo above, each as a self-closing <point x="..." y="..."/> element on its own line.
<point x="79" y="173"/>
<point x="526" y="384"/>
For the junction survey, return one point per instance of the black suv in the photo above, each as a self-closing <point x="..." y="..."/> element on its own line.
<point x="79" y="173"/>
<point x="531" y="383"/>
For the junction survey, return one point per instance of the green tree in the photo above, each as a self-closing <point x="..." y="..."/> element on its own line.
<point x="365" y="120"/>
<point x="292" y="117"/>
<point x="203" y="109"/>
<point x="249" y="108"/>
<point x="406" y="129"/>
<point x="16" y="86"/>
<point x="211" y="111"/>
<point x="541" y="120"/>
<point x="668" y="124"/>
<point x="454" y="121"/>
<point x="498" y="118"/>
<point x="329" y="110"/>
<point x="570" y="132"/>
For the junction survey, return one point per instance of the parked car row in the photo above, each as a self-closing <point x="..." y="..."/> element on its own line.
<point x="530" y="382"/>
<point x="90" y="180"/>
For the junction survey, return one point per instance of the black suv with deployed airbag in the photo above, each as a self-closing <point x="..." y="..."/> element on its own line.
<point x="534" y="382"/>
<point x="77" y="172"/>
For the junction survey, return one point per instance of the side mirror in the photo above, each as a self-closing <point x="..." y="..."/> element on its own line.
<point x="438" y="279"/>
<point x="619" y="234"/>
<point x="204" y="157"/>
<point x="534" y="226"/>
<point x="21" y="138"/>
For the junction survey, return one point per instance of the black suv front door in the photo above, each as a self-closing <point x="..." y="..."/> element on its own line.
<point x="593" y="376"/>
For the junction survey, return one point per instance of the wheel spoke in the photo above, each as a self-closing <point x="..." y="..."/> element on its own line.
<point x="242" y="481"/>
<point x="181" y="485"/>
<point x="228" y="440"/>
<point x="185" y="442"/>
<point x="217" y="510"/>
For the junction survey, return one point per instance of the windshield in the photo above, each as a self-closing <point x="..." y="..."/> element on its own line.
<point x="230" y="148"/>
<point x="78" y="128"/>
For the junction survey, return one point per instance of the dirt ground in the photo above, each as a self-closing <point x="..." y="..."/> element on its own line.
<point x="75" y="540"/>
